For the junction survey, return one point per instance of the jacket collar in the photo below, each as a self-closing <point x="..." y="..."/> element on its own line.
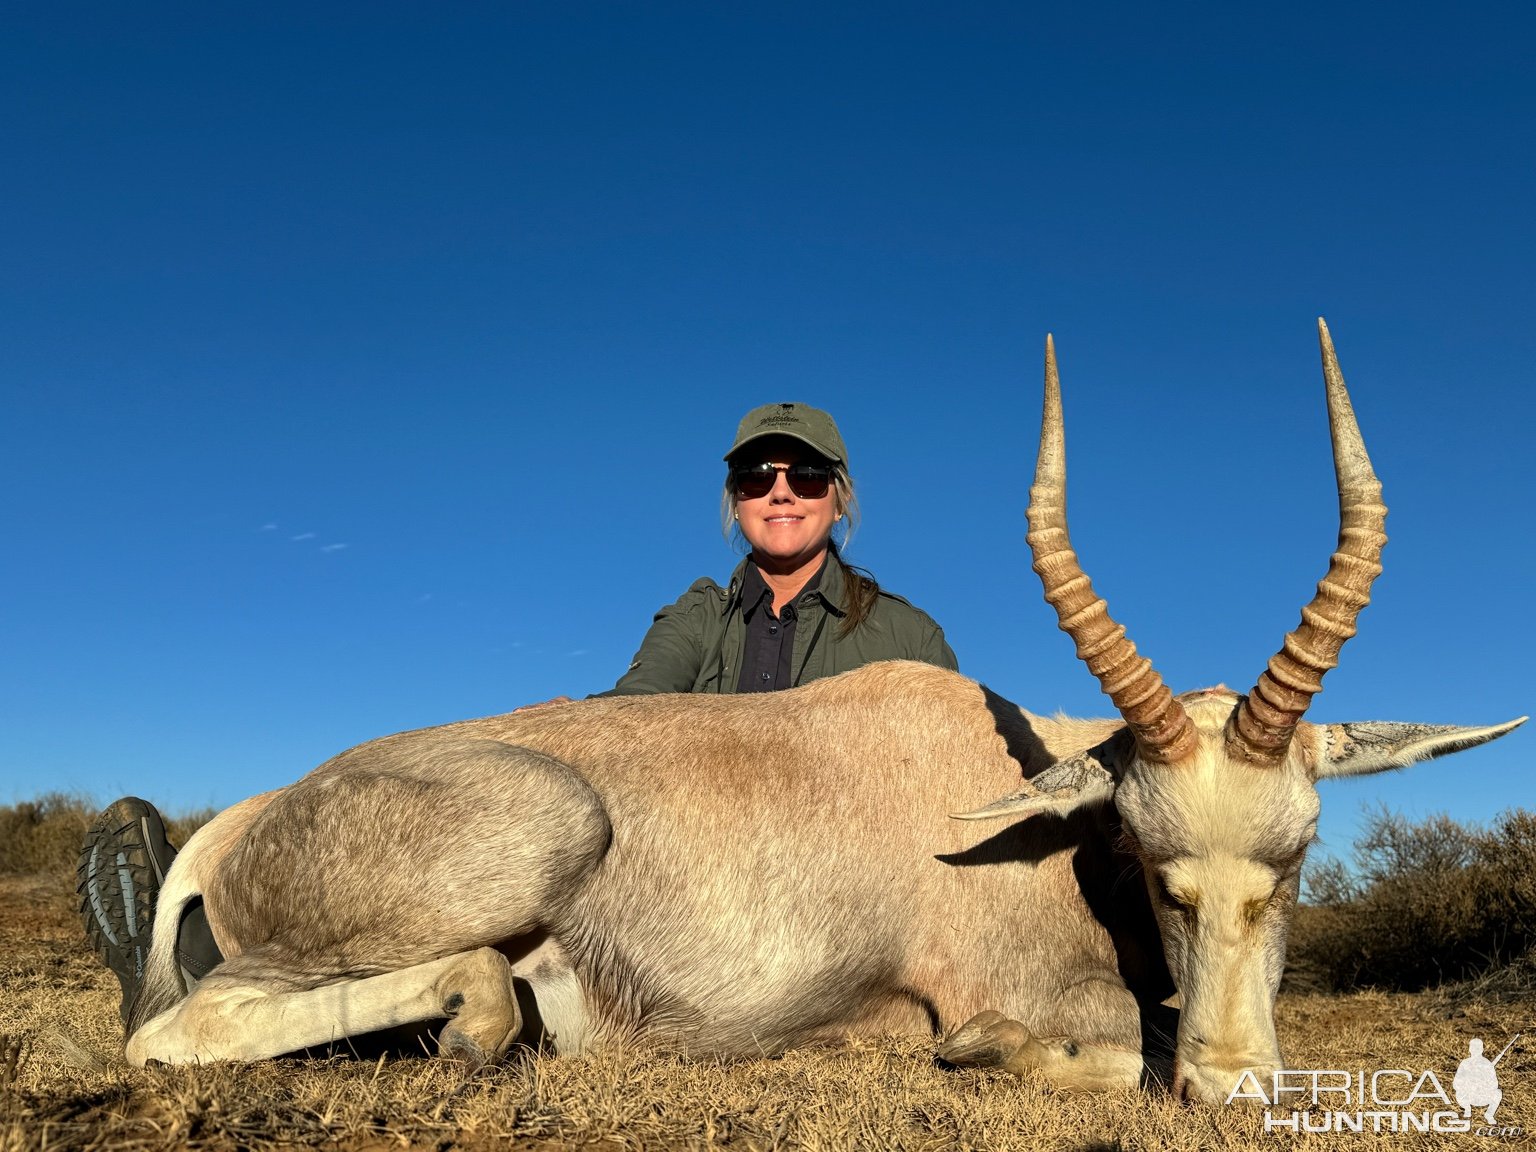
<point x="831" y="589"/>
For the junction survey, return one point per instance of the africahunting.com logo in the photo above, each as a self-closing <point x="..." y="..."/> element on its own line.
<point x="1387" y="1100"/>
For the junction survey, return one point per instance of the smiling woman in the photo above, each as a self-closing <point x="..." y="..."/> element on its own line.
<point x="792" y="611"/>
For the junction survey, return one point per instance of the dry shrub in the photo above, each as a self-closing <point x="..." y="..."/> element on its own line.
<point x="180" y="826"/>
<point x="1425" y="903"/>
<point x="44" y="835"/>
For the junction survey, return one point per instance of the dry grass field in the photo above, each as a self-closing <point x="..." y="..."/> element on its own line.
<point x="63" y="1084"/>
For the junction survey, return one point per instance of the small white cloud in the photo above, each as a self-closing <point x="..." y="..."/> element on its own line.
<point x="424" y="597"/>
<point x="267" y="528"/>
<point x="577" y="652"/>
<point x="332" y="547"/>
<point x="303" y="536"/>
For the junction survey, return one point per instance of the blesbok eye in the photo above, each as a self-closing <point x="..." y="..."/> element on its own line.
<point x="1186" y="902"/>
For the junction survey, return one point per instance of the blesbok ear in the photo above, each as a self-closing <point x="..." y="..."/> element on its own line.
<point x="1375" y="746"/>
<point x="1085" y="778"/>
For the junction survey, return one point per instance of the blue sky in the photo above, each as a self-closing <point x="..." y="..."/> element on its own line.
<point x="368" y="367"/>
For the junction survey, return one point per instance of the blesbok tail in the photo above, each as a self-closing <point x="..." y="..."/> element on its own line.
<point x="165" y="984"/>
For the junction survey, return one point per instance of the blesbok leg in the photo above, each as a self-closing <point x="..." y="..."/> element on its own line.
<point x="1091" y="1043"/>
<point x="245" y="1011"/>
<point x="337" y="904"/>
<point x="992" y="1040"/>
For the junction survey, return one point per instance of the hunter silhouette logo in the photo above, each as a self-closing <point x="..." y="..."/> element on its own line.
<point x="1477" y="1084"/>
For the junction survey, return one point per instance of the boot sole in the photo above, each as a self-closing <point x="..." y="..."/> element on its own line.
<point x="118" y="879"/>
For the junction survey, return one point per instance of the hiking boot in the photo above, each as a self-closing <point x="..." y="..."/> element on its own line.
<point x="122" y="866"/>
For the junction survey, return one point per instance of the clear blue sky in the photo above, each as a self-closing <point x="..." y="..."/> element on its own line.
<point x="367" y="367"/>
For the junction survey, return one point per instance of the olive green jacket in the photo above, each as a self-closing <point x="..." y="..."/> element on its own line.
<point x="695" y="644"/>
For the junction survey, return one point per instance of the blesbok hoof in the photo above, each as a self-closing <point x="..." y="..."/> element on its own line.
<point x="454" y="1044"/>
<point x="987" y="1040"/>
<point x="477" y="996"/>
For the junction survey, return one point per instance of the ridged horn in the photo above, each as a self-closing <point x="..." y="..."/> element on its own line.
<point x="1162" y="730"/>
<point x="1261" y="728"/>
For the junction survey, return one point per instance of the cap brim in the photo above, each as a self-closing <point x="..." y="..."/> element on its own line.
<point x="821" y="449"/>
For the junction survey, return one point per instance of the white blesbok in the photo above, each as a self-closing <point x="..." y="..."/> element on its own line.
<point x="739" y="875"/>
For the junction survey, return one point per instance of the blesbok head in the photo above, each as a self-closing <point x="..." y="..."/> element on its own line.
<point x="1216" y="791"/>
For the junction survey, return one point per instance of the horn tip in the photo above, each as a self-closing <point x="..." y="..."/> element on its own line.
<point x="1325" y="342"/>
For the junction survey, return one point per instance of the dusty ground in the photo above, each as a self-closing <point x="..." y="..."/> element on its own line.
<point x="62" y="1083"/>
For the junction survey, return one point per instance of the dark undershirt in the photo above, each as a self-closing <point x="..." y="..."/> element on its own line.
<point x="770" y="639"/>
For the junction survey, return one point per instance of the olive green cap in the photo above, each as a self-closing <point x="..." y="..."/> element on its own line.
<point x="797" y="421"/>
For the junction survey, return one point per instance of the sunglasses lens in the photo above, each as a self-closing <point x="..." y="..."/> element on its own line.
<point x="754" y="483"/>
<point x="807" y="481"/>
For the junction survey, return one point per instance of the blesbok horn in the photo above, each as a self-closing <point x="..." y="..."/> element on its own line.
<point x="1262" y="725"/>
<point x="1162" y="730"/>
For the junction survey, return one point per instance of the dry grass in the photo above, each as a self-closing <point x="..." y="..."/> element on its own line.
<point x="63" y="1086"/>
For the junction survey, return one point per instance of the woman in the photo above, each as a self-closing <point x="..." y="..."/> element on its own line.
<point x="792" y="612"/>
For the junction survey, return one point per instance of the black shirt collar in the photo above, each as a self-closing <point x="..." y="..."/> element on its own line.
<point x="754" y="587"/>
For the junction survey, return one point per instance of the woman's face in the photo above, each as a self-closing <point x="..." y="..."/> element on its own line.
<point x="785" y="531"/>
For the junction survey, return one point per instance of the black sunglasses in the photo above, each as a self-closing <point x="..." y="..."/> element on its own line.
<point x="807" y="481"/>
